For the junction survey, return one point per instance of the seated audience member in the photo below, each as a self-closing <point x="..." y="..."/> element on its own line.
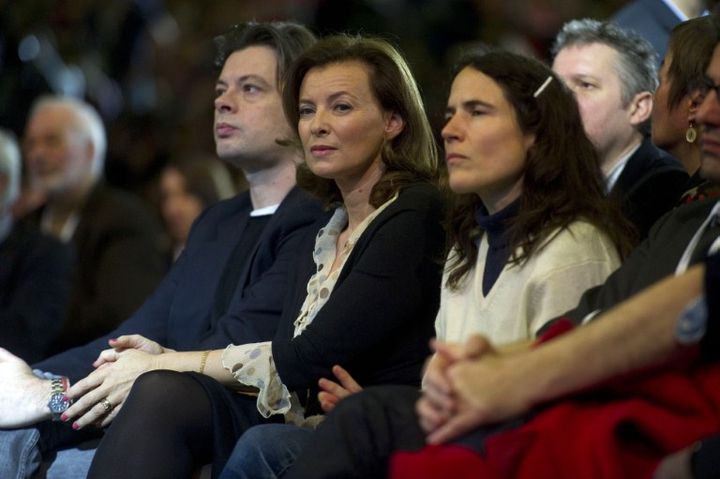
<point x="626" y="387"/>
<point x="674" y="128"/>
<point x="35" y="271"/>
<point x="655" y="19"/>
<point x="228" y="285"/>
<point x="613" y="75"/>
<point x="364" y="429"/>
<point x="119" y="259"/>
<point x="366" y="287"/>
<point x="186" y="188"/>
<point x="530" y="227"/>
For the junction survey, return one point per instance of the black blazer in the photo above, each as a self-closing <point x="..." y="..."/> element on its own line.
<point x="178" y="314"/>
<point x="649" y="186"/>
<point x="119" y="262"/>
<point x="381" y="313"/>
<point x="656" y="258"/>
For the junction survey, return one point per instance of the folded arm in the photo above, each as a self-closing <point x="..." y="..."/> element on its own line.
<point x="638" y="333"/>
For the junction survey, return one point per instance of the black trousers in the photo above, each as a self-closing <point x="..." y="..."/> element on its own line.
<point x="359" y="435"/>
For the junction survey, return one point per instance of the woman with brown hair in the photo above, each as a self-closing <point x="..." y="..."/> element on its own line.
<point x="679" y="95"/>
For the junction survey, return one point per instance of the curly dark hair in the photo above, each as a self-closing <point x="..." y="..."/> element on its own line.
<point x="562" y="180"/>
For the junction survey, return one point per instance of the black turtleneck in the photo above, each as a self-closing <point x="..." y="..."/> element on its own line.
<point x="495" y="227"/>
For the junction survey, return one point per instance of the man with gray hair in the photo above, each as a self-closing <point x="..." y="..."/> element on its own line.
<point x="116" y="242"/>
<point x="613" y="75"/>
<point x="34" y="271"/>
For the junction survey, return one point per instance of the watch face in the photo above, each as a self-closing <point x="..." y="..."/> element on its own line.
<point x="58" y="403"/>
<point x="692" y="323"/>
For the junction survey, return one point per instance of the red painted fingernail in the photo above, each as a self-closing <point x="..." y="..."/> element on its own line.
<point x="65" y="398"/>
<point x="76" y="426"/>
<point x="63" y="417"/>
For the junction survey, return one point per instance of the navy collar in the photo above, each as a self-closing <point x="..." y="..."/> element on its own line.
<point x="495" y="225"/>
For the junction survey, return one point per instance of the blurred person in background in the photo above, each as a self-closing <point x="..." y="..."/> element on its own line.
<point x="654" y="20"/>
<point x="35" y="271"/>
<point x="118" y="254"/>
<point x="186" y="188"/>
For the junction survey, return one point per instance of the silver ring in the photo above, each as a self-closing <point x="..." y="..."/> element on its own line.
<point x="106" y="404"/>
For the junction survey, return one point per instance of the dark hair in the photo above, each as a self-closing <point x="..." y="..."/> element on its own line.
<point x="562" y="180"/>
<point x="205" y="178"/>
<point x="412" y="155"/>
<point x="288" y="39"/>
<point x="691" y="45"/>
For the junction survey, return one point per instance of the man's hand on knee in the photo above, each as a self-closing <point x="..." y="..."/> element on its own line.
<point x="23" y="396"/>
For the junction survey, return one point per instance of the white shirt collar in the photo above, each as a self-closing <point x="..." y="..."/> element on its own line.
<point x="68" y="229"/>
<point x="265" y="211"/>
<point x="617" y="170"/>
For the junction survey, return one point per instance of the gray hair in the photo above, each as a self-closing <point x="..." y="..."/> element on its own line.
<point x="87" y="122"/>
<point x="637" y="59"/>
<point x="9" y="167"/>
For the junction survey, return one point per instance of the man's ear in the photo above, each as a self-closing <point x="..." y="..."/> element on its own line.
<point x="640" y="107"/>
<point x="394" y="125"/>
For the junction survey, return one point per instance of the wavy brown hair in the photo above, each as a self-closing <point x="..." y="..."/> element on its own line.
<point x="562" y="181"/>
<point x="412" y="155"/>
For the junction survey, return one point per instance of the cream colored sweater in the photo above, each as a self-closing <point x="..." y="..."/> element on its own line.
<point x="525" y="297"/>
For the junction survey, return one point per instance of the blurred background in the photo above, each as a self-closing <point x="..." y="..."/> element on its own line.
<point x="147" y="65"/>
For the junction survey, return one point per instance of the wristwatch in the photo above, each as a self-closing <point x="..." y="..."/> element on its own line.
<point x="58" y="402"/>
<point x="692" y="324"/>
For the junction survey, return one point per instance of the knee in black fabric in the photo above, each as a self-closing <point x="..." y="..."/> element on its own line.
<point x="164" y="430"/>
<point x="166" y="397"/>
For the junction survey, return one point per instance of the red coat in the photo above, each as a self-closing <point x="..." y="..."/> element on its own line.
<point x="621" y="430"/>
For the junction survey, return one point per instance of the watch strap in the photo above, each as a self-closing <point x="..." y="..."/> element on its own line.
<point x="58" y="403"/>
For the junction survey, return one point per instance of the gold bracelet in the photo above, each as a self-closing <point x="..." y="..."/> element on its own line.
<point x="203" y="360"/>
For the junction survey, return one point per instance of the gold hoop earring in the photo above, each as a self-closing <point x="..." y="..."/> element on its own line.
<point x="691" y="133"/>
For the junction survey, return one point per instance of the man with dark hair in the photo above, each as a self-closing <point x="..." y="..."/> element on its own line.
<point x="613" y="75"/>
<point x="227" y="286"/>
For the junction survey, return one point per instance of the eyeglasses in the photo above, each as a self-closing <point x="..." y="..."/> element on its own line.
<point x="706" y="84"/>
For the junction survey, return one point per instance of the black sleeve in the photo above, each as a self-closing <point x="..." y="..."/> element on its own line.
<point x="389" y="289"/>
